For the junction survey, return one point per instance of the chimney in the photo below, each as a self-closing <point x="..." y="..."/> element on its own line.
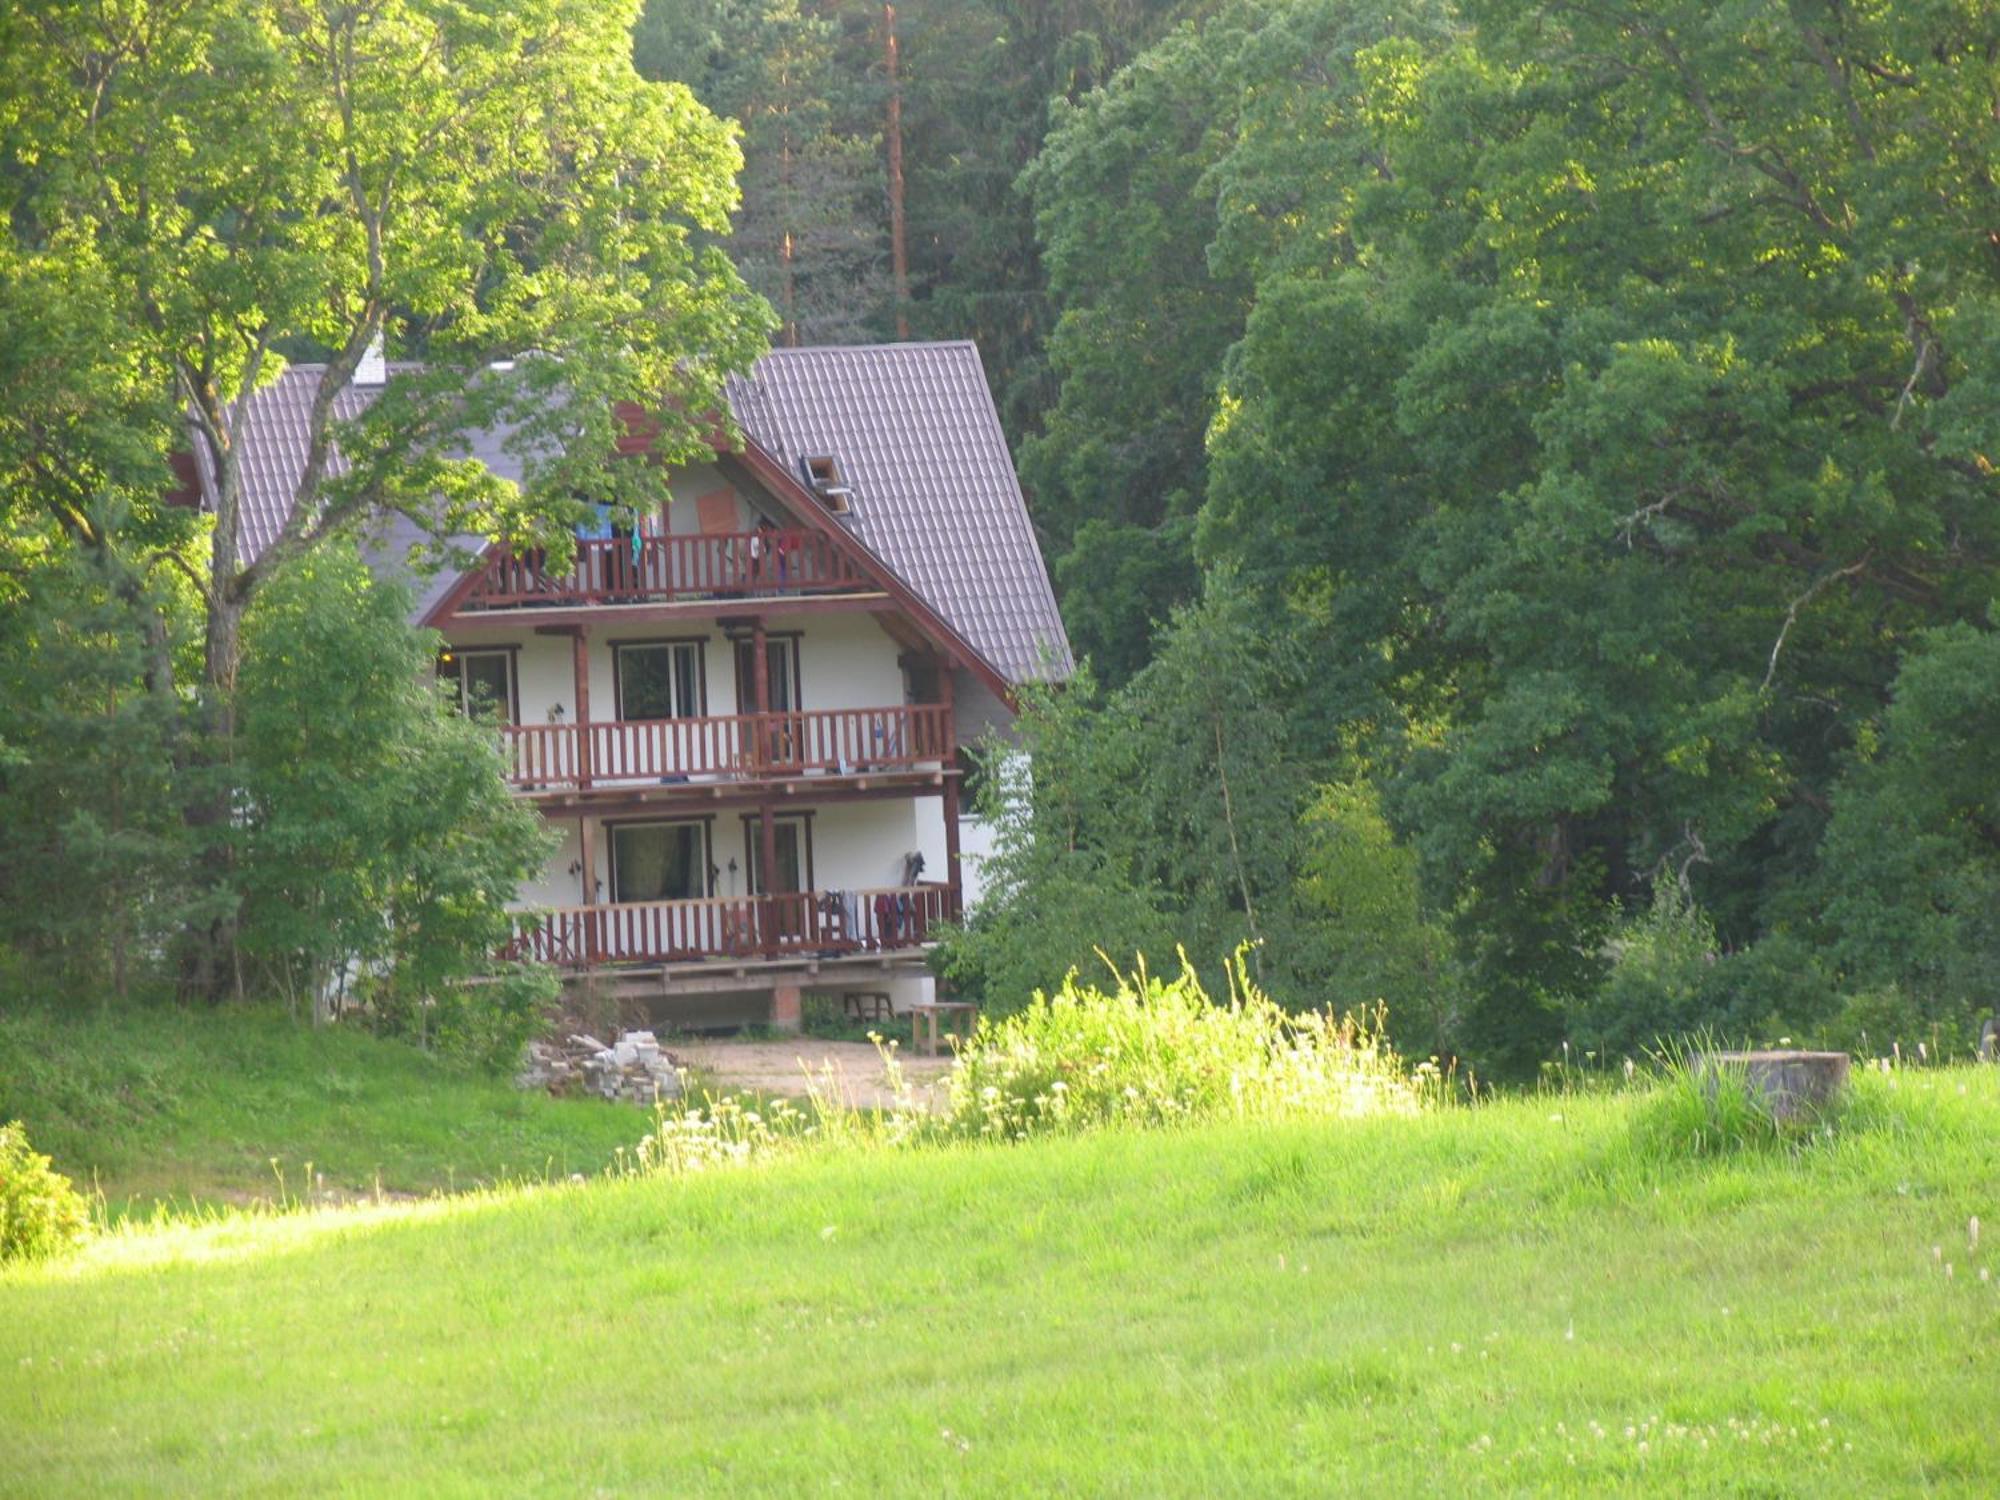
<point x="374" y="366"/>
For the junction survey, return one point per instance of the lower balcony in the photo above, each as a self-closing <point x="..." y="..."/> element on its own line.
<point x="825" y="742"/>
<point x="798" y="925"/>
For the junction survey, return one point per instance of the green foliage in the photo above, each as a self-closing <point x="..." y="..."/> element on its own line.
<point x="1656" y="981"/>
<point x="41" y="1213"/>
<point x="810" y="234"/>
<point x="92" y="852"/>
<point x="225" y="184"/>
<point x="381" y="843"/>
<point x="1604" y="441"/>
<point x="1359" y="891"/>
<point x="1910" y="878"/>
<point x="1057" y="886"/>
<point x="1152" y="1052"/>
<point x="1125" y="213"/>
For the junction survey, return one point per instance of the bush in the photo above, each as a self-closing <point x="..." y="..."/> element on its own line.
<point x="1153" y="1052"/>
<point x="41" y="1213"/>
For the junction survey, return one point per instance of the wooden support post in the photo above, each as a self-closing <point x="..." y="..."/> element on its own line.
<point x="767" y="866"/>
<point x="580" y="665"/>
<point x="953" y="873"/>
<point x="760" y="681"/>
<point x="587" y="881"/>
<point x="767" y="833"/>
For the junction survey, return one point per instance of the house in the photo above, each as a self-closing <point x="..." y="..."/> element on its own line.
<point x="747" y="721"/>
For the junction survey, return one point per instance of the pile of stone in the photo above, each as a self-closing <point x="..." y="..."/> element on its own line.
<point x="633" y="1069"/>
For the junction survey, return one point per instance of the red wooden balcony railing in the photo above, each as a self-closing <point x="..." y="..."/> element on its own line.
<point x="805" y="923"/>
<point x="833" y="742"/>
<point x="692" y="566"/>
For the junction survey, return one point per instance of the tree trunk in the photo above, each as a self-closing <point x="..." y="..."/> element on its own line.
<point x="899" y="254"/>
<point x="208" y="956"/>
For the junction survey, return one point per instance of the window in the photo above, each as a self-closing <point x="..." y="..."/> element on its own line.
<point x="659" y="861"/>
<point x="660" y="679"/>
<point x="482" y="682"/>
<point x="781" y="654"/>
<point x="823" y="474"/>
<point x="791" y="841"/>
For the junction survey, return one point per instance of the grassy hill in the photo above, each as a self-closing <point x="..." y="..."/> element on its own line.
<point x="1516" y="1299"/>
<point x="232" y="1105"/>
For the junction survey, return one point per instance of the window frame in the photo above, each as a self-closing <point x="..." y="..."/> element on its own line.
<point x="804" y="820"/>
<point x="704" y="829"/>
<point x="793" y="640"/>
<point x="641" y="643"/>
<point x="455" y="655"/>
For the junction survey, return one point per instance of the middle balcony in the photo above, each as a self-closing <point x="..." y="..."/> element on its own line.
<point x="739" y="747"/>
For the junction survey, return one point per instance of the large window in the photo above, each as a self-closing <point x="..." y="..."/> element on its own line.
<point x="482" y="681"/>
<point x="659" y="861"/>
<point x="659" y="679"/>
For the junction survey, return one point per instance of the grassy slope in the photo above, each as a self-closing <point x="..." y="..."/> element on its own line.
<point x="175" y="1104"/>
<point x="1394" y="1307"/>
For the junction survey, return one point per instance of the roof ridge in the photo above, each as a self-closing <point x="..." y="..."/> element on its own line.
<point x="792" y="349"/>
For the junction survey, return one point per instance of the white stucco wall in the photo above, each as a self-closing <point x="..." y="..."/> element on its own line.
<point x="845" y="661"/>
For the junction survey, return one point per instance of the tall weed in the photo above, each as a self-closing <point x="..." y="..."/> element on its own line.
<point x="1151" y="1052"/>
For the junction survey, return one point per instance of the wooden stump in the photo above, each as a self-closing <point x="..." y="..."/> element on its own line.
<point x="1788" y="1081"/>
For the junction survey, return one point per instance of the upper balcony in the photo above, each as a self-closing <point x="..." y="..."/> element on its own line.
<point x="667" y="569"/>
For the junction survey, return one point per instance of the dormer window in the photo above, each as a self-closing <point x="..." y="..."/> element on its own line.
<point x="823" y="474"/>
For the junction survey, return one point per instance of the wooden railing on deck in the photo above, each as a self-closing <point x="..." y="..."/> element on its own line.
<point x="835" y="742"/>
<point x="806" y="923"/>
<point x="692" y="566"/>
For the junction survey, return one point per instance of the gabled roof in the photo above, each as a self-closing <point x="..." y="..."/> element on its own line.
<point x="913" y="430"/>
<point x="912" y="427"/>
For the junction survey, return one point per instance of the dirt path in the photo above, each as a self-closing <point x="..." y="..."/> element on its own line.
<point x="855" y="1069"/>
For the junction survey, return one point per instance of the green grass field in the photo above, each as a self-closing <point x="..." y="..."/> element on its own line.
<point x="173" y="1105"/>
<point x="1507" y="1300"/>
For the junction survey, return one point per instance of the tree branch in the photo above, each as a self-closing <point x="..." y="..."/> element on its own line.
<point x="1792" y="614"/>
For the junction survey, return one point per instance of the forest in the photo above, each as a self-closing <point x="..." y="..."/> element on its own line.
<point x="1521" y="476"/>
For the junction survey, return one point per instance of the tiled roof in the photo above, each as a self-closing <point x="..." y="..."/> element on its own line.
<point x="274" y="455"/>
<point x="913" y="430"/>
<point x="911" y="426"/>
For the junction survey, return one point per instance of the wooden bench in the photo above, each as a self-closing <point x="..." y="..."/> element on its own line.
<point x="924" y="1017"/>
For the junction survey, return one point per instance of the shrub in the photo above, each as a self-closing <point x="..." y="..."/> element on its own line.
<point x="41" y="1213"/>
<point x="1153" y="1052"/>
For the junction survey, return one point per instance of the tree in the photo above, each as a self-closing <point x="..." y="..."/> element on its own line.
<point x="92" y="851"/>
<point x="1125" y="215"/>
<point x="1606" y="424"/>
<point x="1908" y="892"/>
<point x="242" y="178"/>
<point x="978" y="82"/>
<point x="809" y="234"/>
<point x="379" y="844"/>
<point x="1163" y="815"/>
